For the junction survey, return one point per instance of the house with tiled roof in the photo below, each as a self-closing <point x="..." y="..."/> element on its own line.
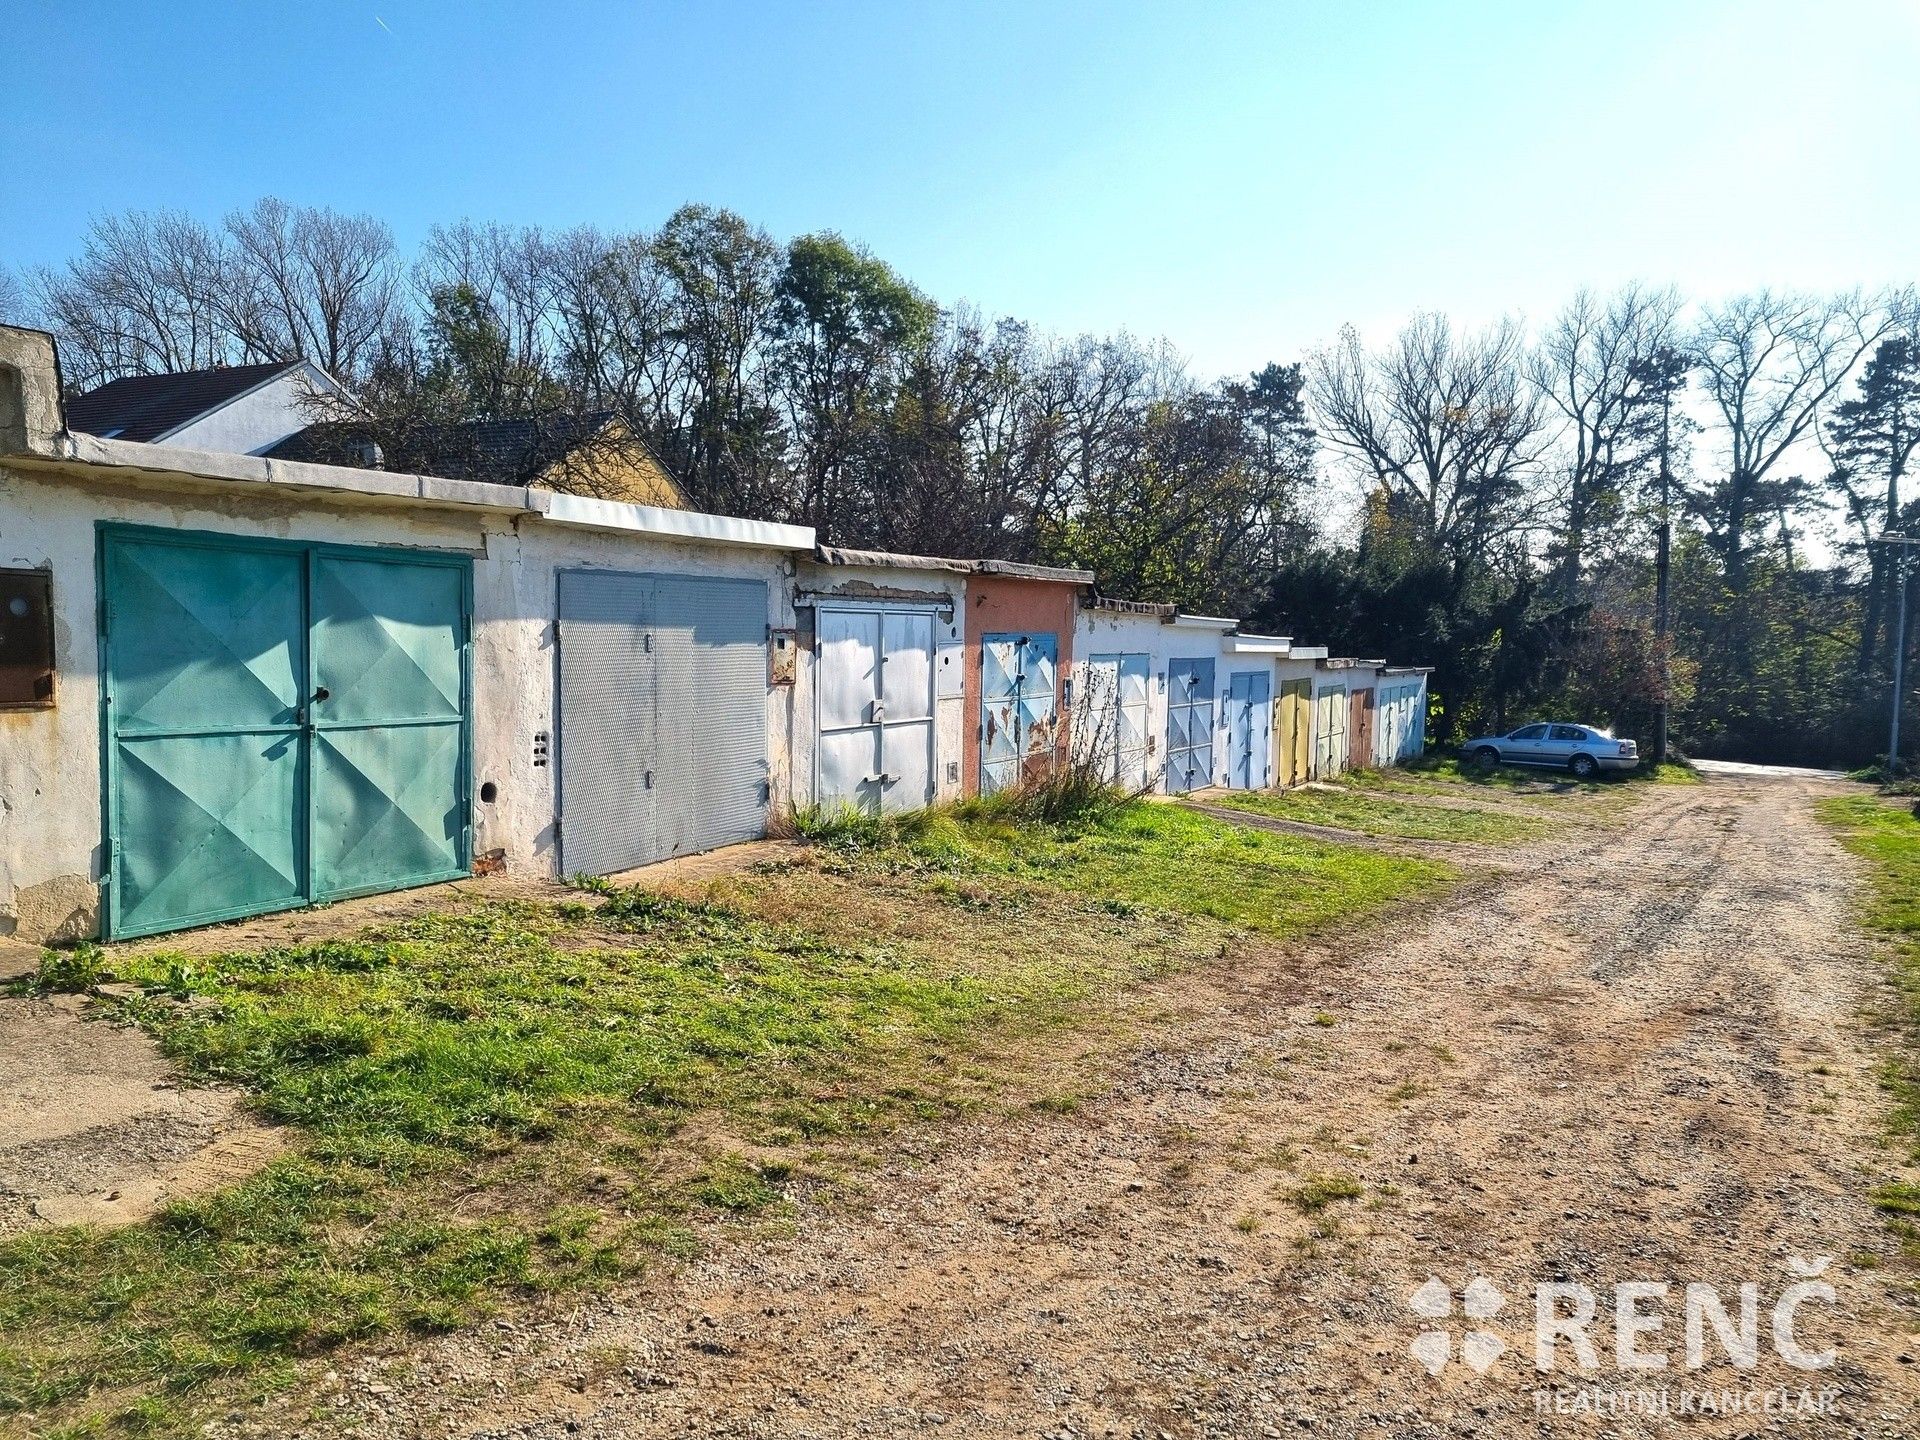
<point x="232" y="410"/>
<point x="270" y="410"/>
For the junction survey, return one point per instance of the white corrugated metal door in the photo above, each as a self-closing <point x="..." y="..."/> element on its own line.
<point x="1113" y="730"/>
<point x="873" y="684"/>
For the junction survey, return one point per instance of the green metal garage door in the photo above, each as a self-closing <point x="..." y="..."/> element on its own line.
<point x="284" y="723"/>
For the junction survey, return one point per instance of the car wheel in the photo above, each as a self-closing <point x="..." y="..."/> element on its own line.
<point x="1486" y="759"/>
<point x="1584" y="767"/>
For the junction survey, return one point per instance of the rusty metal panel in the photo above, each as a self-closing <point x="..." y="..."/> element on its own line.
<point x="1019" y="699"/>
<point x="783" y="649"/>
<point x="26" y="640"/>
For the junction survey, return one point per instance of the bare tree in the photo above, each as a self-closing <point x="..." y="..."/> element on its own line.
<point x="310" y="283"/>
<point x="13" y="297"/>
<point x="1769" y="362"/>
<point x="1448" y="425"/>
<point x="1589" y="366"/>
<point x="143" y="295"/>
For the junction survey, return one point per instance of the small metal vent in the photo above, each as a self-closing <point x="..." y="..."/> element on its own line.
<point x="539" y="749"/>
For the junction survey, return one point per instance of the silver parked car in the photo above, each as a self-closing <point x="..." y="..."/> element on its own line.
<point x="1586" y="750"/>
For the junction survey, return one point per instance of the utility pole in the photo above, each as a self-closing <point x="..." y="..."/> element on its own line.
<point x="1903" y="547"/>
<point x="1663" y="559"/>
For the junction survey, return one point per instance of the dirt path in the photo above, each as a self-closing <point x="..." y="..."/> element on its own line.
<point x="1640" y="1060"/>
<point x="94" y="1130"/>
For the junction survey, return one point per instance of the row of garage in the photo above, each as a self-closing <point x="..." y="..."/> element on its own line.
<point x="231" y="685"/>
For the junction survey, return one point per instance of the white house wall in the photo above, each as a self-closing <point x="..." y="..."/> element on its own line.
<point x="50" y="761"/>
<point x="262" y="417"/>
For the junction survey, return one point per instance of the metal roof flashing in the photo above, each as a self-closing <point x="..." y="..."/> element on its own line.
<point x="595" y="514"/>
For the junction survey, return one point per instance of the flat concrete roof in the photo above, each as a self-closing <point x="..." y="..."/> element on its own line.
<point x="1019" y="571"/>
<point x="888" y="560"/>
<point x="672" y="524"/>
<point x="1140" y="609"/>
<point x="1278" y="645"/>
<point x="1201" y="622"/>
<point x="79" y="455"/>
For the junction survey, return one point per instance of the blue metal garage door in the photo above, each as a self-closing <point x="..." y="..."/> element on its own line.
<point x="283" y="723"/>
<point x="1189" y="724"/>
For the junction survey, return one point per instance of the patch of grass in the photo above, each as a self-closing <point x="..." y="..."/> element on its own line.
<point x="1073" y="795"/>
<point x="1325" y="1020"/>
<point x="1888" y="839"/>
<point x="1373" y="814"/>
<point x="516" y="1097"/>
<point x="455" y="1076"/>
<point x="1317" y="1192"/>
<point x="1899" y="1198"/>
<point x="1168" y="858"/>
<point x="1668" y="772"/>
<point x="1450" y="772"/>
<point x="70" y="972"/>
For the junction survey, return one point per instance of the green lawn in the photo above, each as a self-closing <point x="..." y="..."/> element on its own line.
<point x="513" y="1097"/>
<point x="1378" y="814"/>
<point x="1445" y="775"/>
<point x="1888" y="839"/>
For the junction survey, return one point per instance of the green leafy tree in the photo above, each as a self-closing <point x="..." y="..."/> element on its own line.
<point x="1871" y="440"/>
<point x="844" y="326"/>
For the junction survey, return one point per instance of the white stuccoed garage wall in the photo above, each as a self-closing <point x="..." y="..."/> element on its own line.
<point x="50" y="768"/>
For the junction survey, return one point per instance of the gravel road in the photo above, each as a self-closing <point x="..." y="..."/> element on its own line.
<point x="1638" y="1056"/>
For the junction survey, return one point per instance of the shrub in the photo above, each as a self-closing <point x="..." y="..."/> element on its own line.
<point x="1072" y="797"/>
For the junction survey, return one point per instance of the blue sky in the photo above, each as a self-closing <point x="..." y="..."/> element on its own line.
<point x="1239" y="177"/>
